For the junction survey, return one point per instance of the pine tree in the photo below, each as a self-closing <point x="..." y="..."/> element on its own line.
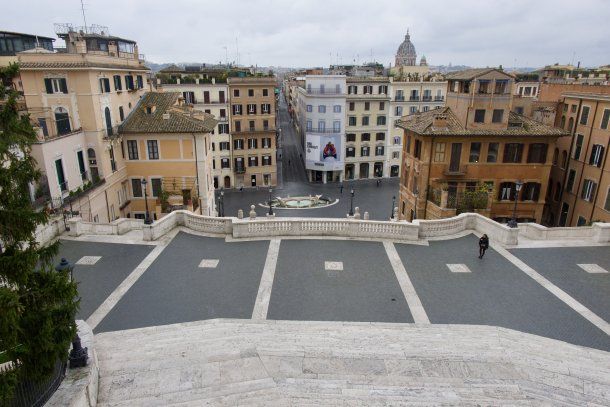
<point x="37" y="303"/>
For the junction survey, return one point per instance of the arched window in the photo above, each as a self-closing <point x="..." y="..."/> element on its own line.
<point x="62" y="121"/>
<point x="555" y="156"/>
<point x="564" y="158"/>
<point x="563" y="122"/>
<point x="108" y="121"/>
<point x="570" y="124"/>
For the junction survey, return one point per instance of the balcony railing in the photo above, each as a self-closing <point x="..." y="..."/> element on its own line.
<point x="455" y="170"/>
<point x="439" y="98"/>
<point x="240" y="169"/>
<point x="427" y="98"/>
<point x="325" y="91"/>
<point x="399" y="99"/>
<point x="413" y="98"/>
<point x="324" y="131"/>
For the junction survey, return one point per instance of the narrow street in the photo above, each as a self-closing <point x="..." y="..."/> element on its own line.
<point x="292" y="166"/>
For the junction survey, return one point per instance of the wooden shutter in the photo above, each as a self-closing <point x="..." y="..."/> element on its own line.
<point x="48" y="85"/>
<point x="63" y="86"/>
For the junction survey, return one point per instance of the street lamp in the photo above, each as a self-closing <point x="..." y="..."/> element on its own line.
<point x="270" y="206"/>
<point x="393" y="204"/>
<point x="513" y="222"/>
<point x="78" y="354"/>
<point x="351" y="203"/>
<point x="147" y="220"/>
<point x="221" y="209"/>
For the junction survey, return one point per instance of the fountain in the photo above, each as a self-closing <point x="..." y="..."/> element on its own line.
<point x="300" y="202"/>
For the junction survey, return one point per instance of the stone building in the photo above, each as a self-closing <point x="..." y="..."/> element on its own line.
<point x="475" y="154"/>
<point x="76" y="97"/>
<point x="253" y="130"/>
<point x="405" y="62"/>
<point x="168" y="143"/>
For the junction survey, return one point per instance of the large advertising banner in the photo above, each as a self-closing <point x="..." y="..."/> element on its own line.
<point x="323" y="152"/>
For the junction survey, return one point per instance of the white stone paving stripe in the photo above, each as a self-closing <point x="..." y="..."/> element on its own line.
<point x="458" y="268"/>
<point x="209" y="263"/>
<point x="556" y="291"/>
<point x="417" y="309"/>
<point x="100" y="313"/>
<point x="261" y="306"/>
<point x="592" y="268"/>
<point x="88" y="260"/>
<point x="333" y="265"/>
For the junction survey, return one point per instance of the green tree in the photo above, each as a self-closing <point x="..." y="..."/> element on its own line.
<point x="37" y="304"/>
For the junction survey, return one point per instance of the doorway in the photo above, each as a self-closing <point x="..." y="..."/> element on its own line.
<point x="364" y="170"/>
<point x="253" y="180"/>
<point x="227" y="181"/>
<point x="456" y="153"/>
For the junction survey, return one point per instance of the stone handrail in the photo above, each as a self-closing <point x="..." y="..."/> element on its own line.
<point x="118" y="227"/>
<point x="597" y="232"/>
<point x="198" y="223"/>
<point x="46" y="233"/>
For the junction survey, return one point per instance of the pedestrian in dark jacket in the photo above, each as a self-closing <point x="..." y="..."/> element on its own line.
<point x="483" y="245"/>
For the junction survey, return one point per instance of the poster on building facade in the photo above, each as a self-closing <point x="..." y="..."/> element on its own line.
<point x="323" y="152"/>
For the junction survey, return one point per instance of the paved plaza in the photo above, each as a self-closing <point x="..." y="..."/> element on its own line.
<point x="191" y="278"/>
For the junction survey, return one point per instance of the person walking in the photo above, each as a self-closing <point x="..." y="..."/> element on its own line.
<point x="341" y="189"/>
<point x="483" y="245"/>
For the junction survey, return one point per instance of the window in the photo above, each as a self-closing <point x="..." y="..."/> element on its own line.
<point x="396" y="140"/>
<point x="426" y="108"/>
<point x="251" y="92"/>
<point x="497" y="116"/>
<point x="309" y="108"/>
<point x="121" y="113"/>
<point x="236" y="93"/>
<point x="237" y="126"/>
<point x="365" y="137"/>
<point x="56" y="85"/>
<point x="597" y="154"/>
<point x="395" y="154"/>
<point x="537" y="153"/>
<point x="136" y="188"/>
<point x="379" y="150"/>
<point x="439" y="152"/>
<point x="251" y="108"/>
<point x="251" y="125"/>
<point x="367" y="105"/>
<point x="224" y="163"/>
<point x="337" y="108"/>
<point x="492" y="152"/>
<point x="153" y="149"/>
<point x="555" y="156"/>
<point x="62" y="121"/>
<point x="350" y="152"/>
<point x="129" y="82"/>
<point x="132" y="149"/>
<point x="350" y="137"/>
<point x="475" y="152"/>
<point x="140" y="82"/>
<point x="564" y="159"/>
<point x="578" y="146"/>
<point x="570" y="181"/>
<point x="252" y="143"/>
<point x="380" y="136"/>
<point x="582" y="221"/>
<point x="507" y="191"/>
<point x="352" y="106"/>
<point x="266" y="142"/>
<point x="223" y="128"/>
<point x="573" y="108"/>
<point x="513" y="152"/>
<point x="365" y="120"/>
<point x="605" y="119"/>
<point x="104" y="85"/>
<point x="321" y="126"/>
<point x="607" y="204"/>
<point x="336" y="126"/>
<point x="381" y="120"/>
<point x="383" y="90"/>
<point x="236" y="109"/>
<point x="417" y="152"/>
<point x="367" y="90"/>
<point x="398" y="111"/>
<point x="412" y="109"/>
<point x="224" y="145"/>
<point x="155" y="184"/>
<point x="530" y="191"/>
<point x="223" y="113"/>
<point x="189" y="98"/>
<point x="253" y="161"/>
<point x="365" y="151"/>
<point x="479" y="116"/>
<point x="408" y="146"/>
<point x="266" y="160"/>
<point x="265" y="92"/>
<point x="351" y="121"/>
<point x="588" y="190"/>
<point x="584" y="115"/>
<point x="352" y="89"/>
<point x="309" y="125"/>
<point x="321" y="109"/>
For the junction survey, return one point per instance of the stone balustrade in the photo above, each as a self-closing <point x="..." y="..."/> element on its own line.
<point x="350" y="228"/>
<point x="46" y="233"/>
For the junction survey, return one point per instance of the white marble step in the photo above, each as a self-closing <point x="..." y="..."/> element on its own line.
<point x="243" y="362"/>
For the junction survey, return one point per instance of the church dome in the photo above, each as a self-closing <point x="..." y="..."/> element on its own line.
<point x="406" y="55"/>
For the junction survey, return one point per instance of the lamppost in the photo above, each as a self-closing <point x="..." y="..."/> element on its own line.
<point x="351" y="203"/>
<point x="78" y="354"/>
<point x="393" y="203"/>
<point x="147" y="220"/>
<point x="221" y="209"/>
<point x="270" y="206"/>
<point x="513" y="222"/>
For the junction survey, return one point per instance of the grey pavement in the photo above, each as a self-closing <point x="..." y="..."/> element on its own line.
<point x="175" y="289"/>
<point x="494" y="293"/>
<point x="560" y="266"/>
<point x="365" y="290"/>
<point x="96" y="282"/>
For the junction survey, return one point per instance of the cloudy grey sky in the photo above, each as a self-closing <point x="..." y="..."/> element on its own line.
<point x="308" y="32"/>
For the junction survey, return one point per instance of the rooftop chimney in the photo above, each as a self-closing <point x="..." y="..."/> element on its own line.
<point x="165" y="116"/>
<point x="439" y="121"/>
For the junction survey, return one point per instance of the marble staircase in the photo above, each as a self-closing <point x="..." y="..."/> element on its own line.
<point x="266" y="363"/>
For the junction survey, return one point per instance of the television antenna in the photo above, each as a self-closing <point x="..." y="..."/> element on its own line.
<point x="82" y="8"/>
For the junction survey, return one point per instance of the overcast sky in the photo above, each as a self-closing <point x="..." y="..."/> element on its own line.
<point x="307" y="33"/>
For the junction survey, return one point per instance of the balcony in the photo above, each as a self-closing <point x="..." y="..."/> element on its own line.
<point x="399" y="99"/>
<point x="427" y="98"/>
<point x="324" y="131"/>
<point x="325" y="91"/>
<point x="455" y="171"/>
<point x="240" y="169"/>
<point x="413" y="98"/>
<point x="439" y="98"/>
